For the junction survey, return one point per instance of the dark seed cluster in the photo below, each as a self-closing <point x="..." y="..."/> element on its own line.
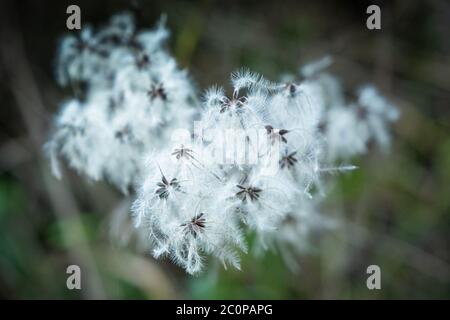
<point x="251" y="193"/>
<point x="195" y="226"/>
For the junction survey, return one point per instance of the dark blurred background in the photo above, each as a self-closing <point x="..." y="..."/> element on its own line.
<point x="394" y="211"/>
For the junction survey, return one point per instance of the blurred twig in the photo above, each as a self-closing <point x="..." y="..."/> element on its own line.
<point x="30" y="105"/>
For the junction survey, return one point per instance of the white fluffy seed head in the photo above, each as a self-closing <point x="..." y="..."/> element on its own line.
<point x="130" y="96"/>
<point x="260" y="162"/>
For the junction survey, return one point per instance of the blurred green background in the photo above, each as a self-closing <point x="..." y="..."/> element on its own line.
<point x="393" y="212"/>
